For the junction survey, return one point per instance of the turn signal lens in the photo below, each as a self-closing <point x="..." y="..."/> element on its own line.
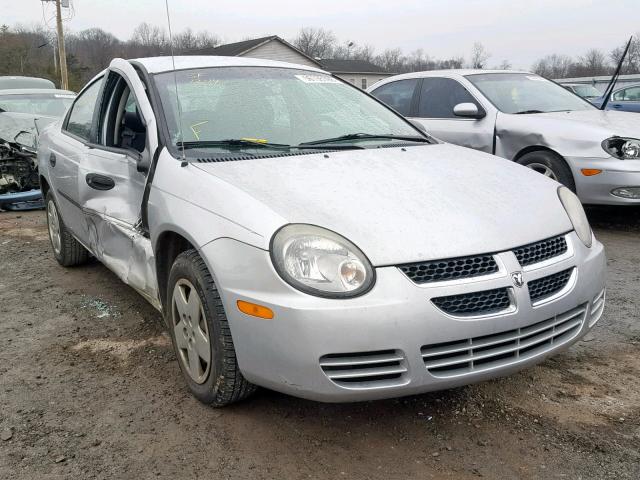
<point x="590" y="172"/>
<point x="255" y="310"/>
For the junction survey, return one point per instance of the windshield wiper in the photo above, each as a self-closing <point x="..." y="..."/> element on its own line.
<point x="525" y="112"/>
<point x="231" y="142"/>
<point x="360" y="136"/>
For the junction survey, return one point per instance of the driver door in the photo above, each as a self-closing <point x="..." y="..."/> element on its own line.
<point x="436" y="100"/>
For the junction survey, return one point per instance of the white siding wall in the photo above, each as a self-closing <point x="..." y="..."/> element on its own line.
<point x="356" y="78"/>
<point x="274" y="50"/>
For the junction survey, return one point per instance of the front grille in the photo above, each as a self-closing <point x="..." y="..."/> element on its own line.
<point x="365" y="369"/>
<point x="449" y="269"/>
<point x="547" y="286"/>
<point x="476" y="303"/>
<point x="540" y="251"/>
<point x="450" y="359"/>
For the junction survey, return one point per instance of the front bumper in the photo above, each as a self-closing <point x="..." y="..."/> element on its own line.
<point x="597" y="189"/>
<point x="396" y="324"/>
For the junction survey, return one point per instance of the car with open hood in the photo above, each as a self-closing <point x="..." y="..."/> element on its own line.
<point x="24" y="112"/>
<point x="299" y="235"/>
<point x="530" y="120"/>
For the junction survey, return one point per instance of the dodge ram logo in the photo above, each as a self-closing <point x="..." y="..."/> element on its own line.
<point x="518" y="279"/>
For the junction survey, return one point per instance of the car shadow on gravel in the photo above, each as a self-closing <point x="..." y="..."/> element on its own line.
<point x="624" y="218"/>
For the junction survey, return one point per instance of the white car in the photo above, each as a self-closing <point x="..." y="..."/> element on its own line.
<point x="530" y="120"/>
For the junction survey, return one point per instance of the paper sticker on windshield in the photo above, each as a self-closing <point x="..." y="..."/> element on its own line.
<point x="537" y="79"/>
<point x="317" y="79"/>
<point x="63" y="95"/>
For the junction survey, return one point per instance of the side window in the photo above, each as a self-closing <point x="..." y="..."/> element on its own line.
<point x="122" y="125"/>
<point x="397" y="95"/>
<point x="81" y="115"/>
<point x="438" y="96"/>
<point x="631" y="94"/>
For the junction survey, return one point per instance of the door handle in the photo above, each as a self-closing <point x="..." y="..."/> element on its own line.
<point x="100" y="182"/>
<point x="52" y="159"/>
<point x="617" y="105"/>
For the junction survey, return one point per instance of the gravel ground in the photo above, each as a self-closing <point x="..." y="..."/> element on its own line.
<point x="90" y="388"/>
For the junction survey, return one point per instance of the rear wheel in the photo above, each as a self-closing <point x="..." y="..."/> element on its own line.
<point x="67" y="250"/>
<point x="550" y="165"/>
<point x="201" y="336"/>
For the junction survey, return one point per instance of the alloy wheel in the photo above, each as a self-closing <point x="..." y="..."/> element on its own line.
<point x="543" y="169"/>
<point x="190" y="331"/>
<point x="53" y="222"/>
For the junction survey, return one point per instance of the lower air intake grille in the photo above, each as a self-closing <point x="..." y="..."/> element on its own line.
<point x="365" y="369"/>
<point x="450" y="269"/>
<point x="540" y="251"/>
<point x="476" y="303"/>
<point x="472" y="355"/>
<point x="547" y="286"/>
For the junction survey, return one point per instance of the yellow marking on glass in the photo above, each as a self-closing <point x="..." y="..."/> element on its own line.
<point x="196" y="131"/>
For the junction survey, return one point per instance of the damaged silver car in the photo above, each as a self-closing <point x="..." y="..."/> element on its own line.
<point x="23" y="113"/>
<point x="299" y="235"/>
<point x="530" y="120"/>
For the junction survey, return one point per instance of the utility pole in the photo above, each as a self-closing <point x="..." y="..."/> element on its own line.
<point x="62" y="55"/>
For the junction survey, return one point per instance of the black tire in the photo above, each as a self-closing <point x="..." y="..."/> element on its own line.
<point x="553" y="162"/>
<point x="225" y="384"/>
<point x="71" y="252"/>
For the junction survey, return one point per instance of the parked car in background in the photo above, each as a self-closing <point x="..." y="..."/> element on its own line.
<point x="528" y="119"/>
<point x="583" y="90"/>
<point x="24" y="82"/>
<point x="626" y="99"/>
<point x="23" y="114"/>
<point x="300" y="235"/>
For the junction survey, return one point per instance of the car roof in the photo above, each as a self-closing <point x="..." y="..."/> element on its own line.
<point x="166" y="64"/>
<point x="18" y="81"/>
<point x="31" y="91"/>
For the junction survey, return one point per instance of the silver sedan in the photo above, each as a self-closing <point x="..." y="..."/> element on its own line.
<point x="299" y="235"/>
<point x="535" y="122"/>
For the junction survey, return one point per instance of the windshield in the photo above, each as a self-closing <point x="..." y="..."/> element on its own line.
<point x="53" y="105"/>
<point x="586" y="91"/>
<point x="526" y="93"/>
<point x="271" y="106"/>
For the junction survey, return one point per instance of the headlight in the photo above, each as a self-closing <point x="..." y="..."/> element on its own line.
<point x="622" y="148"/>
<point x="320" y="262"/>
<point x="576" y="214"/>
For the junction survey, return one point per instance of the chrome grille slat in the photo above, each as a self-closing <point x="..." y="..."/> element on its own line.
<point x="346" y="361"/>
<point x="364" y="372"/>
<point x="372" y="369"/>
<point x="481" y="353"/>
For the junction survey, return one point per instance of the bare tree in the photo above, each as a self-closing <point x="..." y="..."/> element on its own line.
<point x="479" y="55"/>
<point x="594" y="62"/>
<point x="632" y="61"/>
<point x="505" y="65"/>
<point x="190" y="40"/>
<point x="392" y="60"/>
<point x="553" y="66"/>
<point x="315" y="42"/>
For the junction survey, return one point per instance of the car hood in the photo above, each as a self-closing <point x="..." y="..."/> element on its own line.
<point x="572" y="134"/>
<point x="404" y="205"/>
<point x="14" y="125"/>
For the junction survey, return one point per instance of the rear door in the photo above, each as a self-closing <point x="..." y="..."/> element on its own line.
<point x="626" y="100"/>
<point x="436" y="100"/>
<point x="68" y="151"/>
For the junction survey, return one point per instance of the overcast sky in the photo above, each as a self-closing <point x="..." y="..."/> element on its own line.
<point x="517" y="30"/>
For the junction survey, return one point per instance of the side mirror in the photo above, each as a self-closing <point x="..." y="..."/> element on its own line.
<point x="468" y="110"/>
<point x="418" y="125"/>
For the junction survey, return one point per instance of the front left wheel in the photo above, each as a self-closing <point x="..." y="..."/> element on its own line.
<point x="201" y="336"/>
